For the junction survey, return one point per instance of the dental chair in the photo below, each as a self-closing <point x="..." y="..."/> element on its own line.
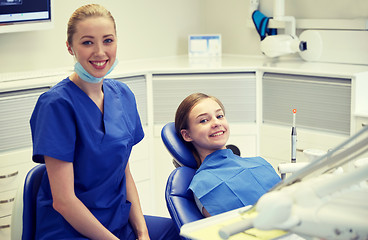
<point x="180" y="202"/>
<point x="23" y="225"/>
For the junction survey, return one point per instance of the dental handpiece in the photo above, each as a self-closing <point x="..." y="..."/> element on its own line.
<point x="293" y="139"/>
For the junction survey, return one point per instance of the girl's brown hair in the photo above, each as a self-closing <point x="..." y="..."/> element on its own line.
<point x="84" y="12"/>
<point x="182" y="115"/>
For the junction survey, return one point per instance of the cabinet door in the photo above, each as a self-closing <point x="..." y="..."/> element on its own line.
<point x="15" y="111"/>
<point x="237" y="91"/>
<point x="322" y="103"/>
<point x="323" y="113"/>
<point x="15" y="141"/>
<point x="5" y="227"/>
<point x="360" y="123"/>
<point x="138" y="85"/>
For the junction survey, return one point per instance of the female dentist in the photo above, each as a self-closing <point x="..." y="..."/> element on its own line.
<point x="84" y="129"/>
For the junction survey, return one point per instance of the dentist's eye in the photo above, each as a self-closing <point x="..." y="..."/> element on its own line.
<point x="87" y="43"/>
<point x="109" y="40"/>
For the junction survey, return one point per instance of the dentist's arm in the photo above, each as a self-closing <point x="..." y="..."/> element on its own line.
<point x="61" y="177"/>
<point x="136" y="218"/>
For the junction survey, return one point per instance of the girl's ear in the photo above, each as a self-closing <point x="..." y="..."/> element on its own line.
<point x="186" y="136"/>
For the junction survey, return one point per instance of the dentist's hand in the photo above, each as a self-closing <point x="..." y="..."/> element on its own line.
<point x="143" y="237"/>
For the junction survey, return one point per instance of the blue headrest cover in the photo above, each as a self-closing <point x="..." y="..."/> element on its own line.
<point x="176" y="146"/>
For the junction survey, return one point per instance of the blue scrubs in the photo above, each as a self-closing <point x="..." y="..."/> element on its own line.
<point x="225" y="181"/>
<point x="67" y="125"/>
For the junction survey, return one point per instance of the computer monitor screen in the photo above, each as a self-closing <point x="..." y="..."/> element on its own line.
<point x="14" y="13"/>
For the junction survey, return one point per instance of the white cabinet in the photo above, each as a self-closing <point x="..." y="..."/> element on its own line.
<point x="322" y="103"/>
<point x="360" y="122"/>
<point x="16" y="106"/>
<point x="138" y="85"/>
<point x="5" y="227"/>
<point x="14" y="166"/>
<point x="258" y="97"/>
<point x="323" y="117"/>
<point x="142" y="171"/>
<point x="7" y="194"/>
<point x="236" y="90"/>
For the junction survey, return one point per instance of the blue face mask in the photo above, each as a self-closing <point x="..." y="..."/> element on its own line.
<point x="86" y="76"/>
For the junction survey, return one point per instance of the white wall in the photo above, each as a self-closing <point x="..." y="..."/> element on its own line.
<point x="321" y="9"/>
<point x="231" y="18"/>
<point x="148" y="29"/>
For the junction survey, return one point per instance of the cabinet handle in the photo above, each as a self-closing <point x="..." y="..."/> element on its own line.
<point x="7" y="200"/>
<point x="364" y="124"/>
<point x="4" y="226"/>
<point x="9" y="175"/>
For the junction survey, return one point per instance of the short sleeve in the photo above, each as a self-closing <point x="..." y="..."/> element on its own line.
<point x="53" y="128"/>
<point x="129" y="102"/>
<point x="139" y="133"/>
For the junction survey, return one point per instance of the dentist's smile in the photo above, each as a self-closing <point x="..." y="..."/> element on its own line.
<point x="99" y="64"/>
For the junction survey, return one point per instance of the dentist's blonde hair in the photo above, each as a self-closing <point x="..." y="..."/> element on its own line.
<point x="84" y="12"/>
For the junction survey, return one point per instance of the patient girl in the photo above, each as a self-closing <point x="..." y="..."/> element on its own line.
<point x="223" y="181"/>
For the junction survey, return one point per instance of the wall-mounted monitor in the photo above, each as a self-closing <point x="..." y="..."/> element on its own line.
<point x="25" y="15"/>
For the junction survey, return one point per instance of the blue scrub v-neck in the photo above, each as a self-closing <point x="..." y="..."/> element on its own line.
<point x="113" y="111"/>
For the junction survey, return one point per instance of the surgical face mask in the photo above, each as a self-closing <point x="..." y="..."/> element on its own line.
<point x="86" y="76"/>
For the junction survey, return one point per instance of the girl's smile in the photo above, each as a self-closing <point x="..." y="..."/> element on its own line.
<point x="217" y="134"/>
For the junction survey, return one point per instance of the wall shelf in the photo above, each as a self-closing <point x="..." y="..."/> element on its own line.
<point x="340" y="24"/>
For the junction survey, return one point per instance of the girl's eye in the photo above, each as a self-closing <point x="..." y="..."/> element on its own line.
<point x="220" y="116"/>
<point x="203" y="121"/>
